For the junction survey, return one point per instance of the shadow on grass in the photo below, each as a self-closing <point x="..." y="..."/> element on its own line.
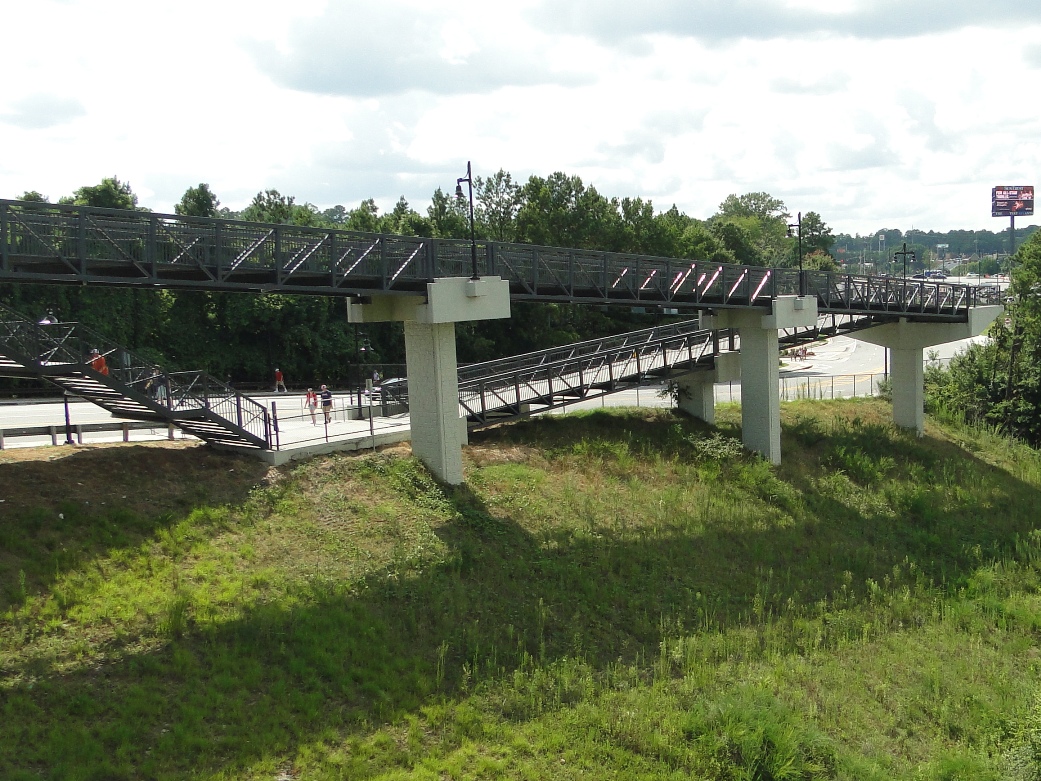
<point x="349" y="659"/>
<point x="78" y="504"/>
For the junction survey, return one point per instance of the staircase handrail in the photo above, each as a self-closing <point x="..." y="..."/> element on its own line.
<point x="72" y="343"/>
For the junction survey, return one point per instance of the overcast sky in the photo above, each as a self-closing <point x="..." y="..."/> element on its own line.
<point x="874" y="113"/>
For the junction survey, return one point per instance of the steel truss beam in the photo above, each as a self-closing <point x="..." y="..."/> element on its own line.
<point x="72" y="244"/>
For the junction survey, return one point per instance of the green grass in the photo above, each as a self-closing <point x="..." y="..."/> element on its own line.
<point x="615" y="595"/>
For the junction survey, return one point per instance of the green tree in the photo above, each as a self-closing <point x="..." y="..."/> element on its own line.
<point x="764" y="220"/>
<point x="816" y="236"/>
<point x="272" y="206"/>
<point x="498" y="199"/>
<point x="448" y="217"/>
<point x="336" y="215"/>
<point x="109" y="194"/>
<point x="198" y="202"/>
<point x="818" y="260"/>
<point x="735" y="235"/>
<point x="761" y="206"/>
<point x="700" y="243"/>
<point x="561" y="211"/>
<point x="364" y="218"/>
<point x="999" y="383"/>
<point x="34" y="197"/>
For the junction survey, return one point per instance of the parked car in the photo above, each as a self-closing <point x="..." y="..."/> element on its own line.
<point x="395" y="389"/>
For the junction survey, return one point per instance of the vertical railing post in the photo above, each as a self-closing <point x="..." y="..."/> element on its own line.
<point x="279" y="264"/>
<point x="150" y="245"/>
<point x="218" y="259"/>
<point x="238" y="409"/>
<point x="384" y="261"/>
<point x="81" y="241"/>
<point x="274" y="421"/>
<point x="5" y="233"/>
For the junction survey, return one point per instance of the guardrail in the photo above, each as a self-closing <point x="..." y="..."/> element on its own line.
<point x="76" y="431"/>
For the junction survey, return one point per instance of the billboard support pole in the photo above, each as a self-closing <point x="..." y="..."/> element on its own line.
<point x="1012" y="237"/>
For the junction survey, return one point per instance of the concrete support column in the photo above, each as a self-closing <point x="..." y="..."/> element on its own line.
<point x="760" y="367"/>
<point x="438" y="432"/>
<point x="907" y="341"/>
<point x="760" y="400"/>
<point x="697" y="390"/>
<point x="696" y="395"/>
<point x="908" y="378"/>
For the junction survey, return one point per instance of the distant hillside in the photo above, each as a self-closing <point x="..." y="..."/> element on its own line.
<point x="616" y="595"/>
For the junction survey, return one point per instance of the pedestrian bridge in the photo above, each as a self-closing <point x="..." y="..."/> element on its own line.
<point x="430" y="284"/>
<point x="84" y="245"/>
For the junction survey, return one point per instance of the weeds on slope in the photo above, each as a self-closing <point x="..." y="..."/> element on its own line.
<point x="623" y="594"/>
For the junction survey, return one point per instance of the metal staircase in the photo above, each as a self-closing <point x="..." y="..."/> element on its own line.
<point x="130" y="386"/>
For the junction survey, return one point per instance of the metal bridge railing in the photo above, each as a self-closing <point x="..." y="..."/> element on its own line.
<point x="491" y="391"/>
<point x="60" y="243"/>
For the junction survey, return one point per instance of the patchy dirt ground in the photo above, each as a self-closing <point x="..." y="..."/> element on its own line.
<point x="147" y="478"/>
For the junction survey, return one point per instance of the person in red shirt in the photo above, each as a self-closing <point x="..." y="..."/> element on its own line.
<point x="98" y="363"/>
<point x="311" y="401"/>
<point x="279" y="381"/>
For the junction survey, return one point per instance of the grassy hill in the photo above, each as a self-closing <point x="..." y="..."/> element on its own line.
<point x="616" y="595"/>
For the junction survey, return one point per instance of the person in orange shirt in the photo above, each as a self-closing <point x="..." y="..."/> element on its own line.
<point x="98" y="363"/>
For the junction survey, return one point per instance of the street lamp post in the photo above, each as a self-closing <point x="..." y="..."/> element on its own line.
<point x="904" y="252"/>
<point x="797" y="226"/>
<point x="469" y="179"/>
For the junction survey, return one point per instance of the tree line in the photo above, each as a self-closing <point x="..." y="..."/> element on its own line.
<point x="998" y="383"/>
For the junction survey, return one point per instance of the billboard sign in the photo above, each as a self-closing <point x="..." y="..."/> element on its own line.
<point x="1012" y="201"/>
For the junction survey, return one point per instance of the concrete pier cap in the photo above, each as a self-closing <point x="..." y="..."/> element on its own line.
<point x="907" y="341"/>
<point x="438" y="429"/>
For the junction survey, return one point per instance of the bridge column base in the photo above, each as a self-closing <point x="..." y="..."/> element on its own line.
<point x="696" y="391"/>
<point x="760" y="362"/>
<point x="907" y="341"/>
<point x="438" y="430"/>
<point x="696" y="395"/>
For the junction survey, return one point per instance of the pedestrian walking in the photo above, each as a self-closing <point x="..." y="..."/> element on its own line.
<point x="156" y="386"/>
<point x="327" y="404"/>
<point x="311" y="400"/>
<point x="98" y="362"/>
<point x="279" y="381"/>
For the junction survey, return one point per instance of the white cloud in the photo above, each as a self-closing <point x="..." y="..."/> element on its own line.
<point x="870" y="112"/>
<point x="42" y="110"/>
<point x="378" y="49"/>
<point x="712" y="21"/>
